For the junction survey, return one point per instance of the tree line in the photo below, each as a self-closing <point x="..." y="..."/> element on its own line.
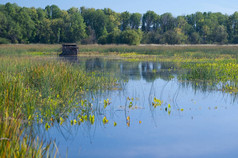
<point x="105" y="26"/>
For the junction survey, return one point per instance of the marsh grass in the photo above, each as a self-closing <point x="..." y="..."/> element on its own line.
<point x="160" y="52"/>
<point x="51" y="83"/>
<point x="39" y="89"/>
<point x="223" y="72"/>
<point x="165" y="50"/>
<point x="29" y="49"/>
<point x="14" y="143"/>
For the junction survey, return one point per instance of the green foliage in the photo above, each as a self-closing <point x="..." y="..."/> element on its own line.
<point x="4" y="41"/>
<point x="89" y="26"/>
<point x="149" y="21"/>
<point x="135" y="20"/>
<point x="125" y="20"/>
<point x="130" y="37"/>
<point x="110" y="38"/>
<point x="171" y="37"/>
<point x="14" y="143"/>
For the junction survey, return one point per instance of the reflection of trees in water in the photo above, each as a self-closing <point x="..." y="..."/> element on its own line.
<point x="147" y="70"/>
<point x="204" y="87"/>
<point x="123" y="69"/>
<point x="154" y="70"/>
<point x="94" y="64"/>
<point x="130" y="70"/>
<point x="71" y="59"/>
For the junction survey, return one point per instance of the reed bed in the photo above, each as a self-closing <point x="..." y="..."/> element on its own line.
<point x="14" y="143"/>
<point x="39" y="89"/>
<point x="224" y="73"/>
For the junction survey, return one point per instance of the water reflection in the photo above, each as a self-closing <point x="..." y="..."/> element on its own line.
<point x="146" y="70"/>
<point x="94" y="64"/>
<point x="72" y="59"/>
<point x="131" y="70"/>
<point x="189" y="123"/>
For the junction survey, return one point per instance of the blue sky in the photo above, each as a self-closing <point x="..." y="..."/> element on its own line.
<point x="176" y="7"/>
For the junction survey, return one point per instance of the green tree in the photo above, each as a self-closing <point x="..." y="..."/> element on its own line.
<point x="194" y="38"/>
<point x="76" y="26"/>
<point x="171" y="37"/>
<point x="113" y="21"/>
<point x="149" y="20"/>
<point x="205" y="33"/>
<point x="135" y="20"/>
<point x="232" y="26"/>
<point x="130" y="37"/>
<point x="125" y="20"/>
<point x="114" y="36"/>
<point x="220" y="35"/>
<point x="3" y="25"/>
<point x="53" y="12"/>
<point x="27" y="25"/>
<point x="167" y="22"/>
<point x="96" y="19"/>
<point x="41" y="14"/>
<point x="45" y="31"/>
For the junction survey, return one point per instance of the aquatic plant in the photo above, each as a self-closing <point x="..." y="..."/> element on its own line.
<point x="92" y="119"/>
<point x="131" y="100"/>
<point x="105" y="120"/>
<point x="128" y="121"/>
<point x="222" y="72"/>
<point x="156" y="102"/>
<point x="106" y="103"/>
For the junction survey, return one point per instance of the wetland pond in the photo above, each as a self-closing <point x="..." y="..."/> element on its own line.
<point x="152" y="113"/>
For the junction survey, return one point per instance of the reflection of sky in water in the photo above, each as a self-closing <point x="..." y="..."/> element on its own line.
<point x="200" y="130"/>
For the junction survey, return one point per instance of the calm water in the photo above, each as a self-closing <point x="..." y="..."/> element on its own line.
<point x="207" y="126"/>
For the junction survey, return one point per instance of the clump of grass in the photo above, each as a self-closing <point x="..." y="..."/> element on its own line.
<point x="14" y="143"/>
<point x="223" y="72"/>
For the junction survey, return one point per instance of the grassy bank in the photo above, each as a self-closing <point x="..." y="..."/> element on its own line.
<point x="198" y="51"/>
<point x="29" y="49"/>
<point x="164" y="51"/>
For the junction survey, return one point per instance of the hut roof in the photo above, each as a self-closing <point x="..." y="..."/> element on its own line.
<point x="69" y="44"/>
